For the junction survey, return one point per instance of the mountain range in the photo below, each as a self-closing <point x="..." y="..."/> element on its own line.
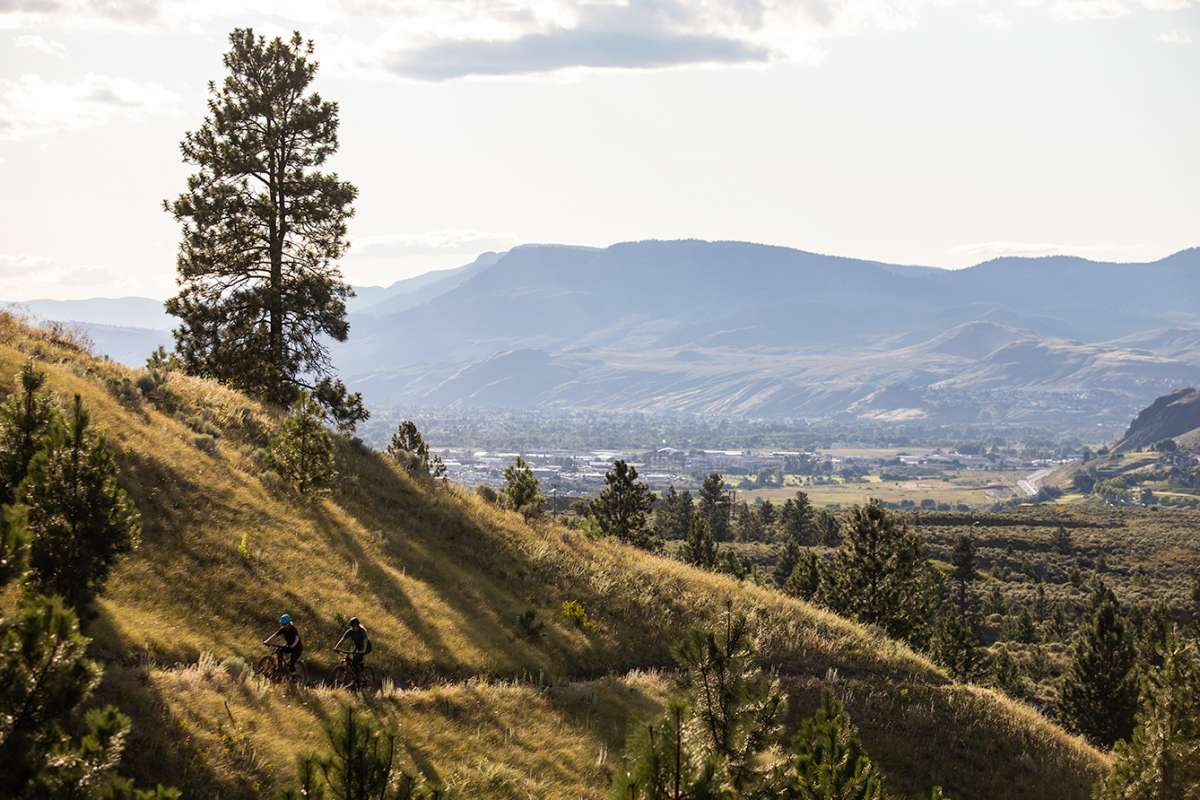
<point x="746" y="329"/>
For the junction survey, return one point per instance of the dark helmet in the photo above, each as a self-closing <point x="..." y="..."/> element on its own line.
<point x="354" y="622"/>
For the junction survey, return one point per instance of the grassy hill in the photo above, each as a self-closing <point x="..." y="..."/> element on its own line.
<point x="439" y="577"/>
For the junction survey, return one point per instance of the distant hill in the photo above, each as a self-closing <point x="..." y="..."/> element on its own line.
<point x="756" y="330"/>
<point x="1173" y="415"/>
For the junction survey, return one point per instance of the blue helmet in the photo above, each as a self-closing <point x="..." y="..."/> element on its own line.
<point x="285" y="619"/>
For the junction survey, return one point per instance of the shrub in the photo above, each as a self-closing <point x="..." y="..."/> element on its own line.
<point x="531" y="627"/>
<point x="126" y="392"/>
<point x="487" y="494"/>
<point x="577" y="615"/>
<point x="205" y="442"/>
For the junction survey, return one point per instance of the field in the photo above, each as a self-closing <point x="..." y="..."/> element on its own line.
<point x="971" y="487"/>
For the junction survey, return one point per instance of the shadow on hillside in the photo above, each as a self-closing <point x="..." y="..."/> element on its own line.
<point x="923" y="736"/>
<point x="437" y="541"/>
<point x="159" y="749"/>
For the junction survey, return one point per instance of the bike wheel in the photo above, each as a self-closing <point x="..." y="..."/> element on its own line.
<point x="265" y="667"/>
<point x="342" y="677"/>
<point x="367" y="679"/>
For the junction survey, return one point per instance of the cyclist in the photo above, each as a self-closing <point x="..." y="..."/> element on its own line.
<point x="290" y="634"/>
<point x="358" y="636"/>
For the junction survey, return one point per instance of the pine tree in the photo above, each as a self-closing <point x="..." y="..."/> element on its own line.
<point x="876" y="576"/>
<point x="796" y="520"/>
<point x="263" y="227"/>
<point x="715" y="505"/>
<point x="522" y="490"/>
<point x="302" y="447"/>
<point x="826" y="761"/>
<point x="955" y="641"/>
<point x="663" y="761"/>
<point x="1162" y="760"/>
<point x="699" y="549"/>
<point x="44" y="681"/>
<point x="963" y="560"/>
<point x="80" y="519"/>
<point x="673" y="517"/>
<point x="805" y="580"/>
<point x="1006" y="673"/>
<point x="410" y="451"/>
<point x="828" y="528"/>
<point x="26" y="420"/>
<point x="739" y="708"/>
<point x="1098" y="694"/>
<point x="362" y="764"/>
<point x="622" y="507"/>
<point x="789" y="556"/>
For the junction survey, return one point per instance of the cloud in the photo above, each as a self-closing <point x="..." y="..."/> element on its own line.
<point x="1176" y="38"/>
<point x="31" y="41"/>
<point x="996" y="19"/>
<point x="22" y="264"/>
<point x="431" y="243"/>
<point x="32" y="107"/>
<point x="1088" y="9"/>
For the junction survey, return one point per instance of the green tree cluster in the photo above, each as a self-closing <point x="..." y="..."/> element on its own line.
<point x="723" y="739"/>
<point x="302" y="447"/>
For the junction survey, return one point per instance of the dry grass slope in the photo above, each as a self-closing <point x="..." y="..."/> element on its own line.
<point x="439" y="578"/>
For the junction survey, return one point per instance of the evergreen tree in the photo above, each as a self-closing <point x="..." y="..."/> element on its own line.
<point x="876" y="576"/>
<point x="828" y="529"/>
<point x="699" y="549"/>
<point x="1153" y="629"/>
<point x="622" y="507"/>
<point x="789" y="556"/>
<point x="768" y="518"/>
<point x="44" y="681"/>
<point x="715" y="505"/>
<point x="796" y="520"/>
<point x="411" y="452"/>
<point x="80" y="519"/>
<point x="1098" y="694"/>
<point x="1162" y="760"/>
<point x="805" y="580"/>
<point x="1006" y="673"/>
<point x="738" y="707"/>
<point x="826" y="761"/>
<point x="263" y="227"/>
<point x="302" y="447"/>
<point x="963" y="560"/>
<point x="673" y="517"/>
<point x="747" y="527"/>
<point x="955" y="641"/>
<point x="26" y="420"/>
<point x="663" y="761"/>
<point x="522" y="490"/>
<point x="361" y="764"/>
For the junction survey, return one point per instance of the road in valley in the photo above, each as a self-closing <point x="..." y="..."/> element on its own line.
<point x="1029" y="484"/>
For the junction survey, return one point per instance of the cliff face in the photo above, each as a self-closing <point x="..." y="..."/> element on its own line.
<point x="1169" y="416"/>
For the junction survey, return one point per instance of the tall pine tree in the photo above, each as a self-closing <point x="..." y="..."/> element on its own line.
<point x="877" y="575"/>
<point x="26" y="419"/>
<point x="81" y="520"/>
<point x="264" y="224"/>
<point x="673" y="516"/>
<point x="1162" y="760"/>
<point x="622" y="507"/>
<point x="1098" y="694"/>
<point x="700" y="549"/>
<point x="716" y="506"/>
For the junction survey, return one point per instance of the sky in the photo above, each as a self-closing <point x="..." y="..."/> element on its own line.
<point x="937" y="132"/>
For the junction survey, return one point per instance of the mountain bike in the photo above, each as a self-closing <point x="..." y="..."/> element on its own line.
<point x="275" y="669"/>
<point x="356" y="679"/>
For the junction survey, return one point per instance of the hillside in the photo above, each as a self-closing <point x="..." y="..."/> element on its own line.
<point x="439" y="577"/>
<point x="1175" y="414"/>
